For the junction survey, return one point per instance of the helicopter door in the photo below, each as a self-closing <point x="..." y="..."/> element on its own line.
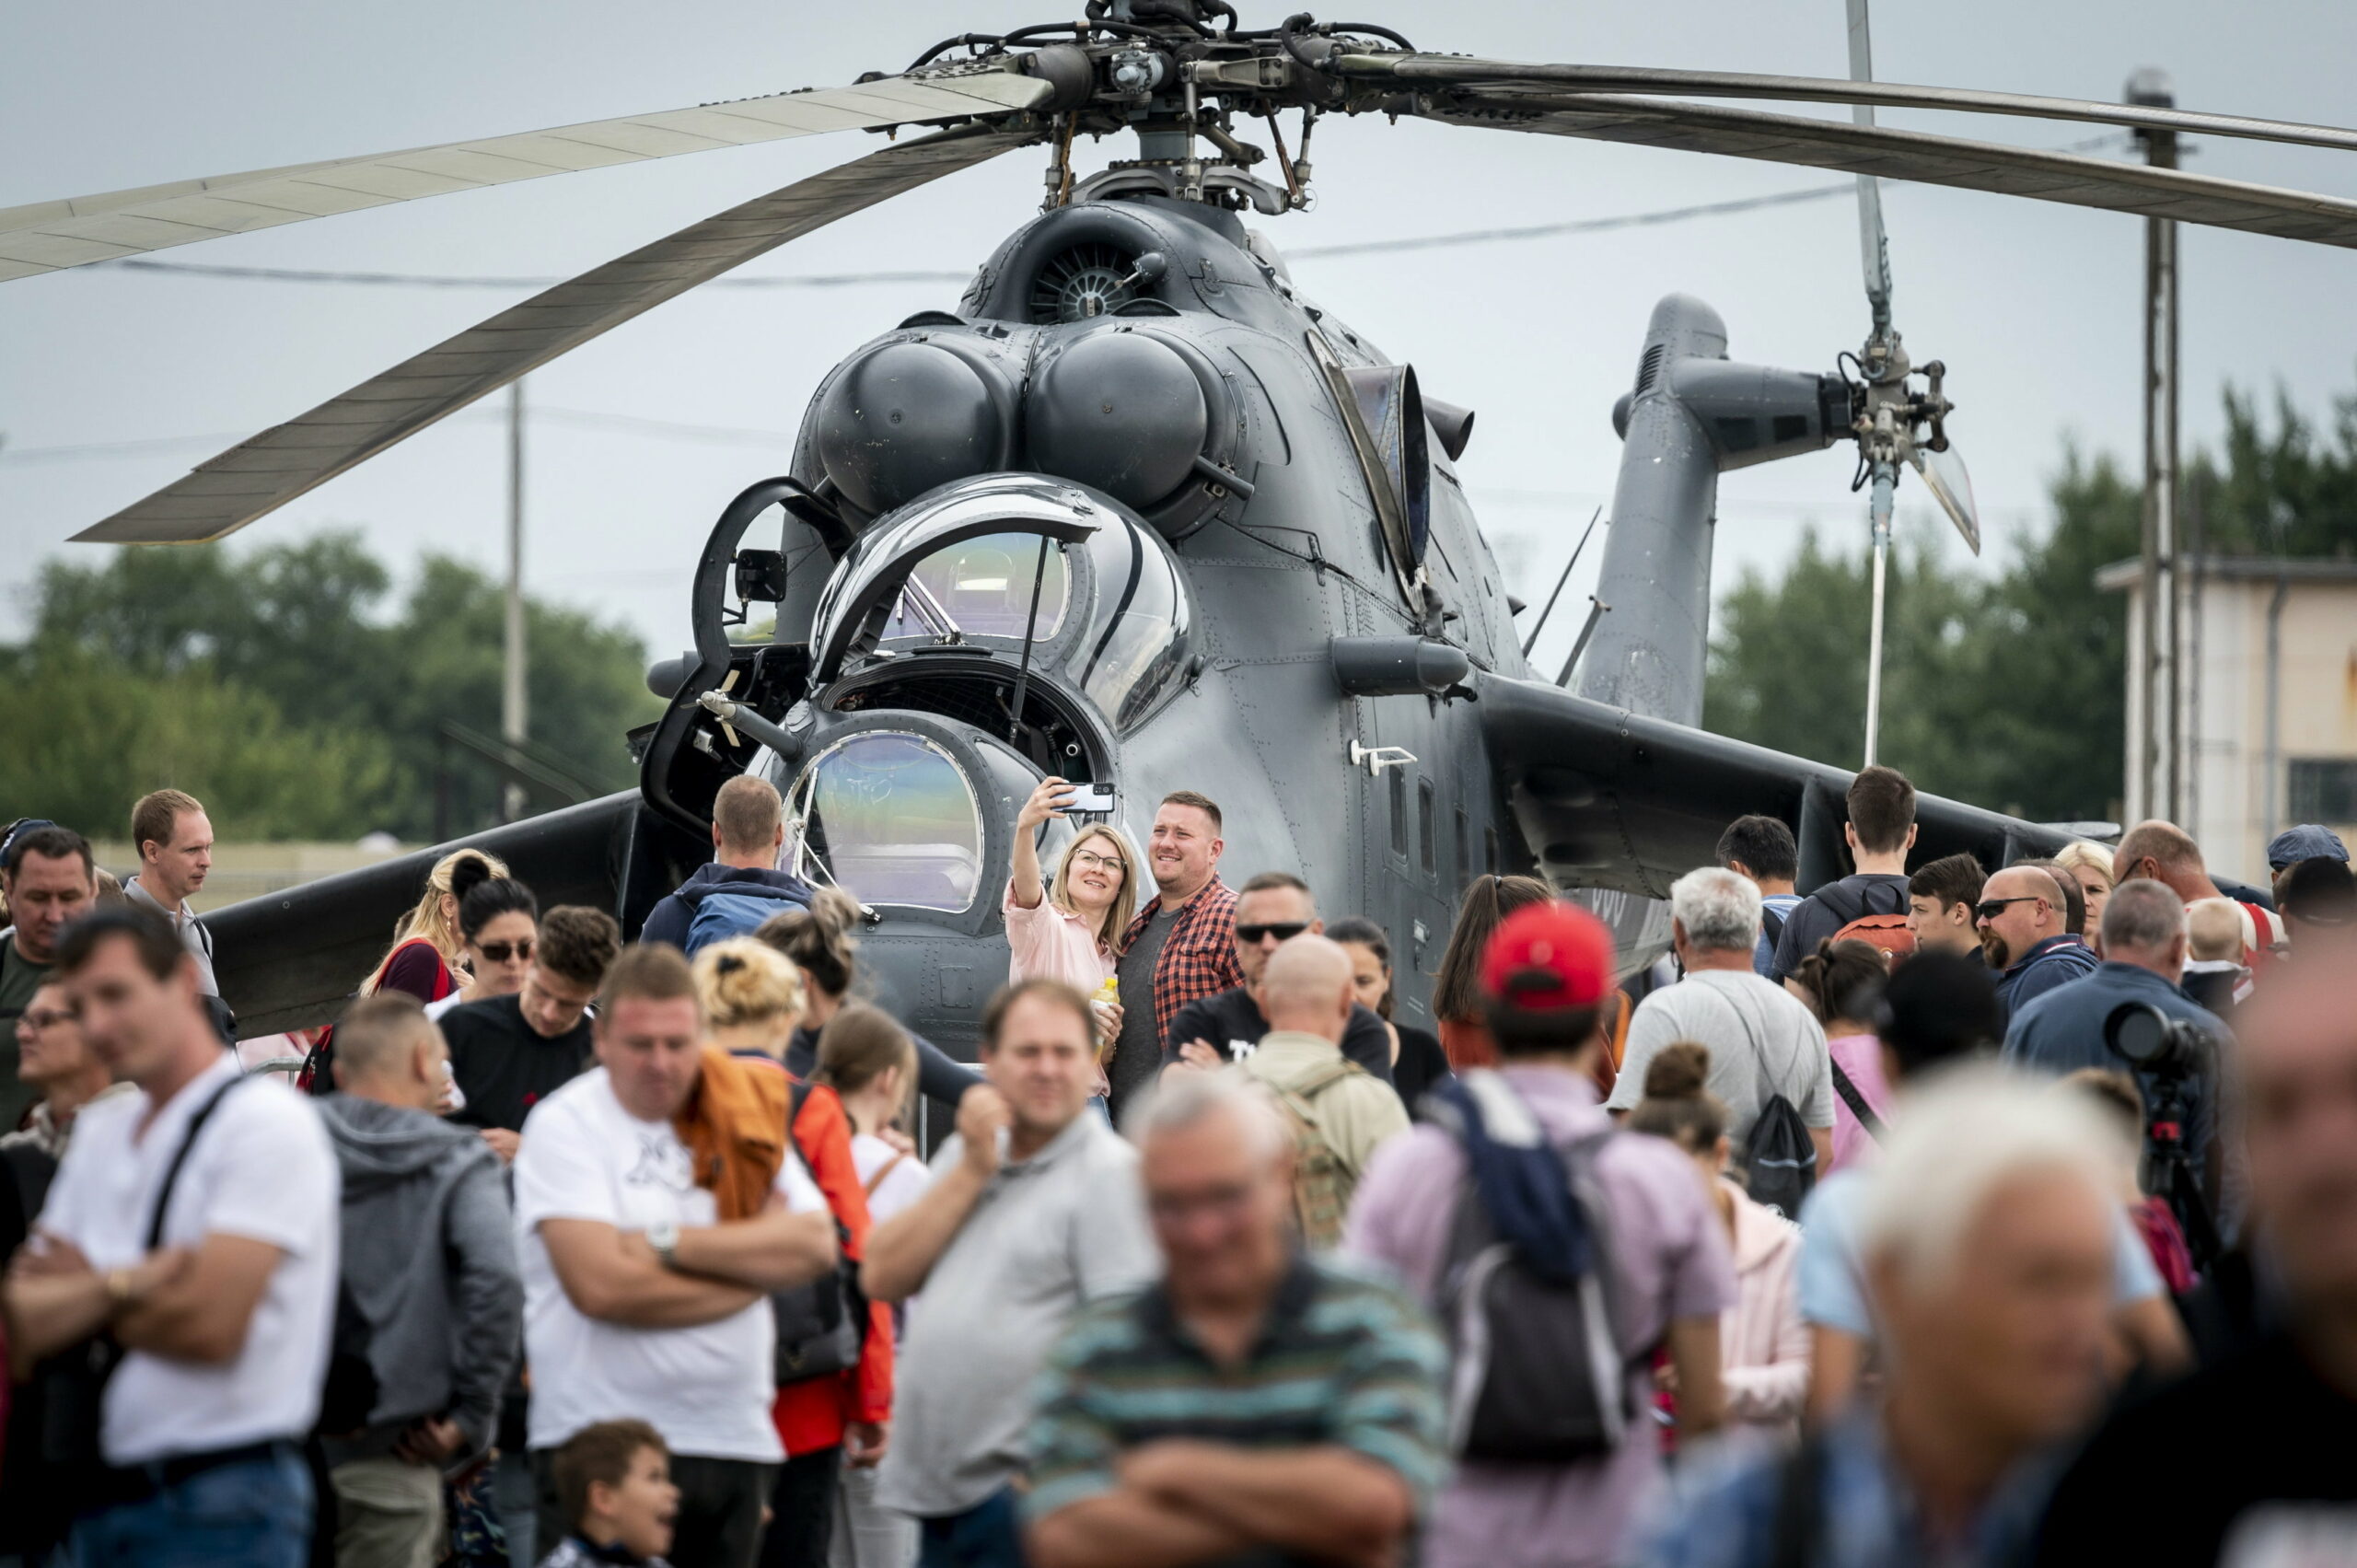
<point x="1406" y="782"/>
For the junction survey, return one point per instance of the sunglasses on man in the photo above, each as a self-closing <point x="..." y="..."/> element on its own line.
<point x="1990" y="909"/>
<point x="1284" y="930"/>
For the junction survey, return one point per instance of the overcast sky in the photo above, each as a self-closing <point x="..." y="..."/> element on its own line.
<point x="2035" y="308"/>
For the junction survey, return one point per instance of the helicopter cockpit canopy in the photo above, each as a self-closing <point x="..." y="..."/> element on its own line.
<point x="960" y="568"/>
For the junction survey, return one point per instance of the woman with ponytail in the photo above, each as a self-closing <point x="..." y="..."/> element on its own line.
<point x="819" y="943"/>
<point x="1763" y="1344"/>
<point x="1841" y="984"/>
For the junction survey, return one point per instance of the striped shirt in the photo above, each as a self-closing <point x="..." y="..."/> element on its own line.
<point x="1343" y="1359"/>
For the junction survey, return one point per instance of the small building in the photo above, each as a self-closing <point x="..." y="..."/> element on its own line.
<point x="2270" y="702"/>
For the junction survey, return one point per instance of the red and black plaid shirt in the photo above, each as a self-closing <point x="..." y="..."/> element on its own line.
<point x="1198" y="959"/>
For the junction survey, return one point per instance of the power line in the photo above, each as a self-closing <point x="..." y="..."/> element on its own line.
<point x="1607" y="225"/>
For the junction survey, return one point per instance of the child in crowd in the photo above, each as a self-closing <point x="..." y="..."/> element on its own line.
<point x="615" y="1481"/>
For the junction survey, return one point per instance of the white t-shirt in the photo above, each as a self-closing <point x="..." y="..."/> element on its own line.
<point x="707" y="1390"/>
<point x="905" y="1185"/>
<point x="1762" y="1040"/>
<point x="261" y="1169"/>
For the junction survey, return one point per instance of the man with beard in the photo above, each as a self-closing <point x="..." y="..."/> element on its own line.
<point x="2024" y="916"/>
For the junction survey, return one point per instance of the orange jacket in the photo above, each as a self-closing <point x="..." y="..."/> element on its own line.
<point x="811" y="1415"/>
<point x="734" y="1126"/>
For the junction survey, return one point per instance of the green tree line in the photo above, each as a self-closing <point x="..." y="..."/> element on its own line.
<point x="2009" y="690"/>
<point x="287" y="688"/>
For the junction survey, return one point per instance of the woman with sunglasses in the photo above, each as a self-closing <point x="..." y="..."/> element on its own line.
<point x="499" y="921"/>
<point x="1069" y="926"/>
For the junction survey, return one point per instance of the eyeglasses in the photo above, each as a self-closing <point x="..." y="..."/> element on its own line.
<point x="1088" y="860"/>
<point x="41" y="1021"/>
<point x="1990" y="909"/>
<point x="501" y="952"/>
<point x="1285" y="931"/>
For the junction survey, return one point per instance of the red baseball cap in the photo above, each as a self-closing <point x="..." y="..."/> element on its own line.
<point x="1548" y="956"/>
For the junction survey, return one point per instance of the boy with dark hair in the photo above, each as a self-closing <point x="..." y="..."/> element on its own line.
<point x="614" y="1479"/>
<point x="1762" y="849"/>
<point x="1880" y="831"/>
<point x="508" y="1053"/>
<point x="1940" y="900"/>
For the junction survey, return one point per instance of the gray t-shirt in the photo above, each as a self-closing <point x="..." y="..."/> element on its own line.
<point x="1063" y="1227"/>
<point x="1137" y="1051"/>
<point x="1762" y="1040"/>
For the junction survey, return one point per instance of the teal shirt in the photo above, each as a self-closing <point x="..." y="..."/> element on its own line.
<point x="1345" y="1359"/>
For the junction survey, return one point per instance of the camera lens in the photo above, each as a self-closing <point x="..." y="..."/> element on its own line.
<point x="2139" y="1032"/>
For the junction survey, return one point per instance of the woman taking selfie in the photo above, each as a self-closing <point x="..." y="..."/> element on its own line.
<point x="1070" y="927"/>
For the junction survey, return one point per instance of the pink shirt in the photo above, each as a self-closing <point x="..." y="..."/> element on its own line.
<point x="1673" y="1263"/>
<point x="1048" y="944"/>
<point x="1860" y="1058"/>
<point x="1763" y="1344"/>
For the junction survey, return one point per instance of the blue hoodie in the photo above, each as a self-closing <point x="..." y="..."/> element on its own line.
<point x="670" y="919"/>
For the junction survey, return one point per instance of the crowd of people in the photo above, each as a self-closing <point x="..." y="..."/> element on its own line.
<point x="1951" y="1215"/>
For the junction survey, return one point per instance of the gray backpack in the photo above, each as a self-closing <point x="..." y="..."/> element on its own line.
<point x="1536" y="1372"/>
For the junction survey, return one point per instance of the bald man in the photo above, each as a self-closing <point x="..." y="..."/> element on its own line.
<point x="2167" y="853"/>
<point x="1337" y="1113"/>
<point x="2024" y="920"/>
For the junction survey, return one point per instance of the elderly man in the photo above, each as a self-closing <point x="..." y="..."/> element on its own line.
<point x="1257" y="1405"/>
<point x="2249" y="1461"/>
<point x="1274" y="907"/>
<point x="1033" y="1212"/>
<point x="1338" y="1113"/>
<point x="51" y="881"/>
<point x="648" y="1270"/>
<point x="2024" y="918"/>
<point x="1987" y="1234"/>
<point x="2144" y="960"/>
<point x="1763" y="1040"/>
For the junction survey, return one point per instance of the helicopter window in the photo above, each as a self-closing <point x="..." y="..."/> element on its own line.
<point x="982" y="588"/>
<point x="890" y="819"/>
<point x="1464" y="862"/>
<point x="1143" y="612"/>
<point x="1398" y="812"/>
<point x="1427" y="826"/>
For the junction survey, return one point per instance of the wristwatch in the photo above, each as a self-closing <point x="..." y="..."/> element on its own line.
<point x="664" y="1237"/>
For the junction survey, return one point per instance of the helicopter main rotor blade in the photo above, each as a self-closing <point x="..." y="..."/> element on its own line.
<point x="47" y="237"/>
<point x="1412" y="70"/>
<point x="274" y="468"/>
<point x="1874" y="244"/>
<point x="2065" y="178"/>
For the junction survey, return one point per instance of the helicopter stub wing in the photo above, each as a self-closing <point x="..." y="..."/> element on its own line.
<point x="1608" y="798"/>
<point x="289" y="960"/>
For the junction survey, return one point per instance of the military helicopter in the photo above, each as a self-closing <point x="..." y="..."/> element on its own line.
<point x="1140" y="513"/>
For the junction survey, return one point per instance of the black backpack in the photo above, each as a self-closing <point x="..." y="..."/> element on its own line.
<point x="1778" y="1158"/>
<point x="1537" y="1374"/>
<point x="822" y="1326"/>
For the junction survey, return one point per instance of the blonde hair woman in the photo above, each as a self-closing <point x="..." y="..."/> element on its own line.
<point x="427" y="956"/>
<point x="1070" y="928"/>
<point x="2090" y="864"/>
<point x="753" y="998"/>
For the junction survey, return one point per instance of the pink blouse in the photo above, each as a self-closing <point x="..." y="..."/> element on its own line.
<point x="1047" y="943"/>
<point x="1763" y="1344"/>
<point x="1860" y="1058"/>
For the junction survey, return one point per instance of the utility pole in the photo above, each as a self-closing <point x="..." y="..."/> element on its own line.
<point x="515" y="716"/>
<point x="2158" y="784"/>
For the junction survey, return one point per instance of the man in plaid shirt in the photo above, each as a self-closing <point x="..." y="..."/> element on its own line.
<point x="1182" y="943"/>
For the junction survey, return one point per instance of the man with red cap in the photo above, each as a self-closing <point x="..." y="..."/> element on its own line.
<point x="1530" y="1178"/>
